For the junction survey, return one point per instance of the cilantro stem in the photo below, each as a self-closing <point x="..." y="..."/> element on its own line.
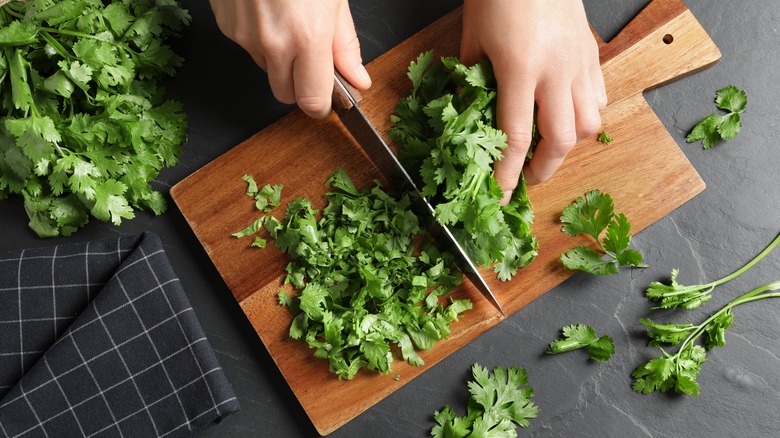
<point x="754" y="295"/>
<point x="710" y="286"/>
<point x="68" y="32"/>
<point x="55" y="45"/>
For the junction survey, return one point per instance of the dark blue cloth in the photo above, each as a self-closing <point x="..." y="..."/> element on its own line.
<point x="98" y="339"/>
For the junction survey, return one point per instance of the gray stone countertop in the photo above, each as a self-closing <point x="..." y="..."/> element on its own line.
<point x="227" y="99"/>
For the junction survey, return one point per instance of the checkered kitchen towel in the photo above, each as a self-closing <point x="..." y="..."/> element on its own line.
<point x="99" y="340"/>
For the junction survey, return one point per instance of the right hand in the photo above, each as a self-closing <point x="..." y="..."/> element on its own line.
<point x="297" y="43"/>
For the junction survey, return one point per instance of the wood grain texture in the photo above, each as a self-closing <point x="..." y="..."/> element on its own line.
<point x="643" y="169"/>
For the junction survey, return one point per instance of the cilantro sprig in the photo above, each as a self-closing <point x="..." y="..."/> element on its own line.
<point x="497" y="405"/>
<point x="592" y="215"/>
<point x="716" y="127"/>
<point x="679" y="371"/>
<point x="366" y="279"/>
<point x="578" y="336"/>
<point x="675" y="295"/>
<point x="446" y="128"/>
<point x="85" y="127"/>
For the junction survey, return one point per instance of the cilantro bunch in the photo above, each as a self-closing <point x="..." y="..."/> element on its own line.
<point x="84" y="125"/>
<point x="446" y="128"/>
<point x="497" y="404"/>
<point x="364" y="283"/>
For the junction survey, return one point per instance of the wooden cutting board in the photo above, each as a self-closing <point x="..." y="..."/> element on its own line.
<point x="643" y="169"/>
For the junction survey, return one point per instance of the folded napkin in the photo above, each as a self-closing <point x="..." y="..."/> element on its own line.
<point x="98" y="339"/>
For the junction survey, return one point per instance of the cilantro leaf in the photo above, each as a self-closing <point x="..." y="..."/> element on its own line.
<point x="714" y="128"/>
<point x="605" y="138"/>
<point x="578" y="336"/>
<point x="593" y="215"/>
<point x="497" y="405"/>
<point x="589" y="215"/>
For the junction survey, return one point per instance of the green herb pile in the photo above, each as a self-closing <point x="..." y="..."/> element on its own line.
<point x="85" y="126"/>
<point x="446" y="128"/>
<point x="366" y="278"/>
<point x="497" y="405"/>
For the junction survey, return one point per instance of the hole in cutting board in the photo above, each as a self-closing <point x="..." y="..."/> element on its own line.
<point x="668" y="38"/>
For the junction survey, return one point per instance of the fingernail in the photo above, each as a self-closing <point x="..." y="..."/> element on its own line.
<point x="507" y="197"/>
<point x="363" y="73"/>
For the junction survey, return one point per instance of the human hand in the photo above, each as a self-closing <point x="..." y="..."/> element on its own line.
<point x="297" y="43"/>
<point x="542" y="52"/>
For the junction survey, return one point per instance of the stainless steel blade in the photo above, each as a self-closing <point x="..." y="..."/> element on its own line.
<point x="349" y="112"/>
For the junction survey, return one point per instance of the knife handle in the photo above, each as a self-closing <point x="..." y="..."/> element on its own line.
<point x="342" y="91"/>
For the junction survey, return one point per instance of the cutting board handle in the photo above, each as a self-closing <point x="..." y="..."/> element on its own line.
<point x="662" y="43"/>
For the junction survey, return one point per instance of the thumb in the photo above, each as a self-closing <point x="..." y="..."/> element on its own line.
<point x="346" y="51"/>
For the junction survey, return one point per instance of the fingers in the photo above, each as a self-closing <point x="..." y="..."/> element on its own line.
<point x="555" y="120"/>
<point x="312" y="74"/>
<point x="515" y="113"/>
<point x="346" y="52"/>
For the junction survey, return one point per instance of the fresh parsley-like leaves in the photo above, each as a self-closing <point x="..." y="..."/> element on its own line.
<point x="717" y="127"/>
<point x="367" y="281"/>
<point x="446" y="128"/>
<point x="592" y="215"/>
<point x="605" y="138"/>
<point x="679" y="371"/>
<point x="675" y="295"/>
<point x="84" y="126"/>
<point x="498" y="404"/>
<point x="578" y="336"/>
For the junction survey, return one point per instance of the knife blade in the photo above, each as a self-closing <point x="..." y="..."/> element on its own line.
<point x="345" y="104"/>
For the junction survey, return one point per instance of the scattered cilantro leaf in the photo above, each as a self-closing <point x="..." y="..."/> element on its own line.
<point x="675" y="295"/>
<point x="583" y="336"/>
<point x="497" y="405"/>
<point x="605" y="138"/>
<point x="84" y="126"/>
<point x="714" y="128"/>
<point x="446" y="128"/>
<point x="367" y="278"/>
<point x="679" y="371"/>
<point x="593" y="215"/>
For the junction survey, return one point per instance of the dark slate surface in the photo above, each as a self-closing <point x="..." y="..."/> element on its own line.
<point x="227" y="100"/>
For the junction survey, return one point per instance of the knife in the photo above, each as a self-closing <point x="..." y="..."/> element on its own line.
<point x="345" y="104"/>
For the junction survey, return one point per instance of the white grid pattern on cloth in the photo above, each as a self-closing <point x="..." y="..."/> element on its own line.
<point x="45" y="260"/>
<point x="134" y="362"/>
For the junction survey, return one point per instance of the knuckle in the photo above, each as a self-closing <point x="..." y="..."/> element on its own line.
<point x="589" y="126"/>
<point x="518" y="139"/>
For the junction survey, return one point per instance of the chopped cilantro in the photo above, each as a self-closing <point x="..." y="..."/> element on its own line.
<point x="446" y="129"/>
<point x="497" y="405"/>
<point x="84" y="126"/>
<point x="583" y="336"/>
<point x="605" y="138"/>
<point x="717" y="127"/>
<point x="592" y="215"/>
<point x="366" y="278"/>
